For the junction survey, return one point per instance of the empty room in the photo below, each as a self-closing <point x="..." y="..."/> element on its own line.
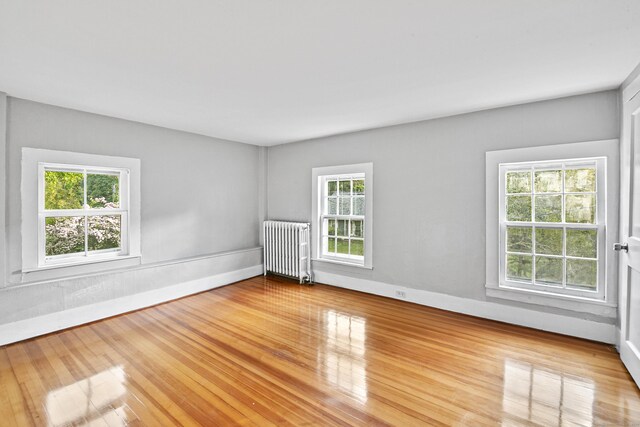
<point x="320" y="213"/>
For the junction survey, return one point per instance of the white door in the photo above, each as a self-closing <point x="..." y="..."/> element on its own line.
<point x="629" y="301"/>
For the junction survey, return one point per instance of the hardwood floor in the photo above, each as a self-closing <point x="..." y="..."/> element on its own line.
<point x="271" y="352"/>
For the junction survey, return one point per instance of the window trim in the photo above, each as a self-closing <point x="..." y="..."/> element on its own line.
<point x="605" y="307"/>
<point x="319" y="177"/>
<point x="34" y="162"/>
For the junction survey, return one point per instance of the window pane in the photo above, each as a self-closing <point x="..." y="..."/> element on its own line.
<point x="358" y="186"/>
<point x="548" y="208"/>
<point x="356" y="228"/>
<point x="580" y="208"/>
<point x="548" y="181"/>
<point x="330" y="227"/>
<point x="104" y="232"/>
<point x="357" y="247"/>
<point x="549" y="241"/>
<point x="345" y="205"/>
<point x="580" y="180"/>
<point x="519" y="239"/>
<point x="331" y="246"/>
<point x="358" y="206"/>
<point x="582" y="273"/>
<point x="519" y="267"/>
<point x="548" y="270"/>
<point x="64" y="235"/>
<point x="582" y="243"/>
<point x="518" y="182"/>
<point x="63" y="190"/>
<point x="332" y="188"/>
<point x="343" y="246"/>
<point x="103" y="191"/>
<point x="345" y="188"/>
<point x="342" y="227"/>
<point x="518" y="208"/>
<point x="332" y="208"/>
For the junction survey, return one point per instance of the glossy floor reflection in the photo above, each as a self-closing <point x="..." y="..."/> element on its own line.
<point x="545" y="397"/>
<point x="344" y="356"/>
<point x="268" y="351"/>
<point x="89" y="399"/>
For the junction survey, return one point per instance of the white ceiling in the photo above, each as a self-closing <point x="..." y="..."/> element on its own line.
<point x="275" y="71"/>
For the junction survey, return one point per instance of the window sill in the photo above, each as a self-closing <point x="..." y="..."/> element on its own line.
<point x="55" y="271"/>
<point x="350" y="264"/>
<point x="566" y="302"/>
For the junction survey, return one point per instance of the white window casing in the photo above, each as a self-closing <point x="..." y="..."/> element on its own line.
<point x="603" y="155"/>
<point x="350" y="217"/>
<point x="34" y="215"/>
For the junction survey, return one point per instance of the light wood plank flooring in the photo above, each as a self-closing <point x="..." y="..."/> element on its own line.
<point x="268" y="351"/>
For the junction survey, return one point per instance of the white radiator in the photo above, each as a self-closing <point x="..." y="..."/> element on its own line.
<point x="286" y="249"/>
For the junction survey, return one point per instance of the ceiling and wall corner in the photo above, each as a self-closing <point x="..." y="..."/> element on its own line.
<point x="268" y="73"/>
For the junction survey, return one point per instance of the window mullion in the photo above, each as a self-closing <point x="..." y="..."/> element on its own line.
<point x="533" y="197"/>
<point x="564" y="256"/>
<point x="533" y="254"/>
<point x="351" y="196"/>
<point x="84" y="187"/>
<point x="86" y="217"/>
<point x="533" y="228"/>
<point x="86" y="235"/>
<point x="564" y="229"/>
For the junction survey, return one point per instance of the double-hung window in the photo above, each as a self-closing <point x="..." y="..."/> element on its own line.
<point x="78" y="208"/>
<point x="342" y="206"/>
<point x="552" y="226"/>
<point x="343" y="219"/>
<point x="83" y="212"/>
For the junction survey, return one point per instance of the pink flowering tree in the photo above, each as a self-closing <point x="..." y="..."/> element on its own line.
<point x="65" y="235"/>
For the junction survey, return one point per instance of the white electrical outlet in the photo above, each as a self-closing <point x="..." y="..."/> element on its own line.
<point x="401" y="294"/>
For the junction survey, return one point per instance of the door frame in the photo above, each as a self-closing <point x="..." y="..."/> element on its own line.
<point x="630" y="356"/>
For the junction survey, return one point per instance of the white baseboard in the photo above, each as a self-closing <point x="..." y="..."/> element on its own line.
<point x="29" y="328"/>
<point x="565" y="325"/>
<point x="630" y="356"/>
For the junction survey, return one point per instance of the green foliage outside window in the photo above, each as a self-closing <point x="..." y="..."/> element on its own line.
<point x="103" y="189"/>
<point x="557" y="254"/>
<point x="66" y="234"/>
<point x="519" y="208"/>
<point x="63" y="190"/>
<point x="519" y="267"/>
<point x="518" y="182"/>
<point x="549" y="241"/>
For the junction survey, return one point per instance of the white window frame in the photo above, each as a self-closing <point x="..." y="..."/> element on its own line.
<point x="324" y="215"/>
<point x="603" y="304"/>
<point x="86" y="212"/>
<point x="600" y="225"/>
<point x="34" y="164"/>
<point x="320" y="176"/>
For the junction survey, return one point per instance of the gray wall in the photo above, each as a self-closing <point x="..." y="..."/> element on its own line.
<point x="429" y="184"/>
<point x="205" y="196"/>
<point x="199" y="196"/>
